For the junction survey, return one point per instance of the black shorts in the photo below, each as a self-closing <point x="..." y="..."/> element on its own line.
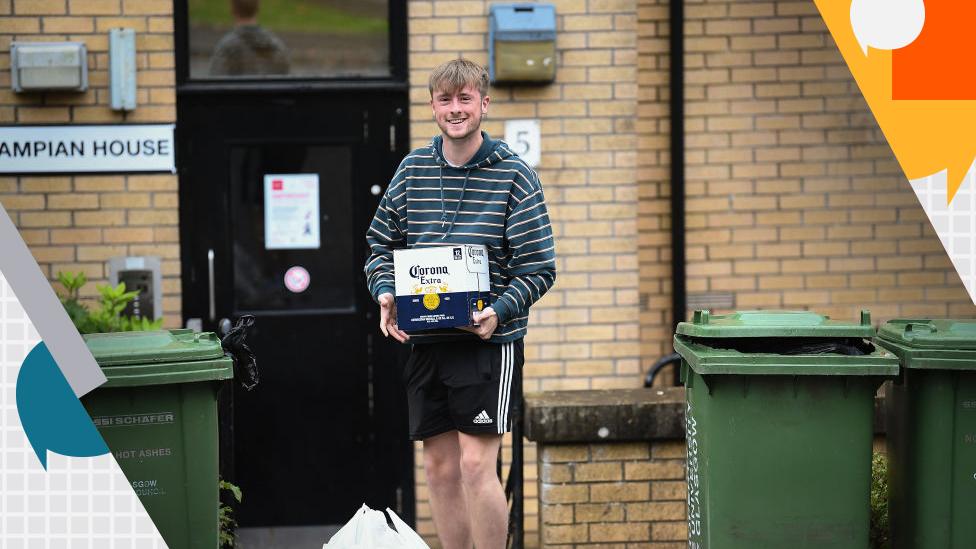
<point x="466" y="386"/>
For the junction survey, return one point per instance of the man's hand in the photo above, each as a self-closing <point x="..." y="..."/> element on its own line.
<point x="486" y="321"/>
<point x="388" y="319"/>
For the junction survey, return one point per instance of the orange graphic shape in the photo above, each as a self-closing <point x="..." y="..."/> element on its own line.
<point x="927" y="136"/>
<point x="939" y="63"/>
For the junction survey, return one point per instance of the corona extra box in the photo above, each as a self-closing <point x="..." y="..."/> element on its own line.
<point x="440" y="287"/>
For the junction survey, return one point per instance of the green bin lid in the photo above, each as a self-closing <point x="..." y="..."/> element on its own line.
<point x="940" y="333"/>
<point x="707" y="360"/>
<point x="118" y="348"/>
<point x="774" y="324"/>
<point x="131" y="359"/>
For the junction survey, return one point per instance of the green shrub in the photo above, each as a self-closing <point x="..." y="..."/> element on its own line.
<point x="879" y="502"/>
<point x="108" y="317"/>
<point x="226" y="516"/>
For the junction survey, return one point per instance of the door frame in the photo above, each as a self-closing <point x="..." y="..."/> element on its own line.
<point x="205" y="223"/>
<point x="333" y="88"/>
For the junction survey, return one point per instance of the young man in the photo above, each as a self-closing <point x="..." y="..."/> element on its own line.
<point x="465" y="188"/>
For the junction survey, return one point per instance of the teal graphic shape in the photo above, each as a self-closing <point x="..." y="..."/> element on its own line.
<point x="52" y="416"/>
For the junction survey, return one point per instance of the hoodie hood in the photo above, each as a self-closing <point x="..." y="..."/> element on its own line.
<point x="490" y="152"/>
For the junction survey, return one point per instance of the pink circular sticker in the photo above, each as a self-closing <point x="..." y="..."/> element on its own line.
<point x="297" y="279"/>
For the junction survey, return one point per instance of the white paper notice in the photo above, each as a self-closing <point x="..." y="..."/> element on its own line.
<point x="291" y="211"/>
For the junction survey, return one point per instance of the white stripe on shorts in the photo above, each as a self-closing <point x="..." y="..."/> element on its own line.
<point x="505" y="385"/>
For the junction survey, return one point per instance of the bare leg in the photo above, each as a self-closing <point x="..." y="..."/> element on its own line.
<point x="483" y="491"/>
<point x="442" y="462"/>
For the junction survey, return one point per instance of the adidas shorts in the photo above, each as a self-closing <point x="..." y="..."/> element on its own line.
<point x="466" y="386"/>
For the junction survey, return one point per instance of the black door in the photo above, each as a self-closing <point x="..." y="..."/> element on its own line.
<point x="279" y="178"/>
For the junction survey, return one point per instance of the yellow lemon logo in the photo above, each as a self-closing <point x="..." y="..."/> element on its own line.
<point x="431" y="301"/>
<point x="481" y="304"/>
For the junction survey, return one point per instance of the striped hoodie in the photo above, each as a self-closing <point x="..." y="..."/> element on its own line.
<point x="496" y="200"/>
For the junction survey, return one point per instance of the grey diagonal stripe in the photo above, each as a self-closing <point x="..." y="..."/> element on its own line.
<point x="45" y="311"/>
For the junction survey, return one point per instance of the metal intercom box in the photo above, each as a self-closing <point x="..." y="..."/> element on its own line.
<point x="144" y="275"/>
<point x="48" y="66"/>
<point x="522" y="43"/>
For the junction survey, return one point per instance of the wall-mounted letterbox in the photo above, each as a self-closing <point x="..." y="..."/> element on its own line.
<point x="48" y="66"/>
<point x="522" y="43"/>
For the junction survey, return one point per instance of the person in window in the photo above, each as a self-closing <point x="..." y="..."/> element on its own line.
<point x="249" y="49"/>
<point x="465" y="188"/>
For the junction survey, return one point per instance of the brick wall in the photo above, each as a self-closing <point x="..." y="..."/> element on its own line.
<point x="794" y="199"/>
<point x="653" y="180"/>
<point x="75" y="223"/>
<point x="606" y="493"/>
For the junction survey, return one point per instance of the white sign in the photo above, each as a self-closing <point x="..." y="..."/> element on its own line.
<point x="297" y="279"/>
<point x="291" y="211"/>
<point x="80" y="148"/>
<point x="523" y="137"/>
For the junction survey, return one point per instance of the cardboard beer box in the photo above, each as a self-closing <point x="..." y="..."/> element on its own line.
<point x="440" y="287"/>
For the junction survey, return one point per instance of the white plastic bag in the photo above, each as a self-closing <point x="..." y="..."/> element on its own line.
<point x="367" y="529"/>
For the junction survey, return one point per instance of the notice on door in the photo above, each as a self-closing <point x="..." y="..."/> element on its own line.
<point x="291" y="211"/>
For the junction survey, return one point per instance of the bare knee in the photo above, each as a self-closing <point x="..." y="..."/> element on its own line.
<point x="441" y="470"/>
<point x="477" y="468"/>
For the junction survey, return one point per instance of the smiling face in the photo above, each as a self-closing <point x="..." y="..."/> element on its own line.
<point x="458" y="114"/>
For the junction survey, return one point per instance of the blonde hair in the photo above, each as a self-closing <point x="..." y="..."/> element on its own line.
<point x="456" y="74"/>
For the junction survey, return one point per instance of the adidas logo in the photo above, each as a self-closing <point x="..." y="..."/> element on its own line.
<point x="482" y="418"/>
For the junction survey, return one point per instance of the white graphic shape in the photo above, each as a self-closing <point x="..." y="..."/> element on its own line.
<point x="886" y="24"/>
<point x="955" y="223"/>
<point x="77" y="502"/>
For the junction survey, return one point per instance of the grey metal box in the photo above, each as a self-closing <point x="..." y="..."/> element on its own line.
<point x="48" y="66"/>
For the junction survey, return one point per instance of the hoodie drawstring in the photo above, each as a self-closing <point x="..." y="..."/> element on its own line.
<point x="457" y="208"/>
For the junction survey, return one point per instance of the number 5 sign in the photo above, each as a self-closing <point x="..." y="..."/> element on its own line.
<point x="523" y="138"/>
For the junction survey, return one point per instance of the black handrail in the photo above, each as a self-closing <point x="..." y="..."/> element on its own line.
<point x="514" y="493"/>
<point x="673" y="358"/>
<point x="515" y="484"/>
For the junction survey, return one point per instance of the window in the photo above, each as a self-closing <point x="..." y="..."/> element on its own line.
<point x="288" y="39"/>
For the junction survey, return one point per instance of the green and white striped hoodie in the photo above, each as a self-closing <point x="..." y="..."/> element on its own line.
<point x="496" y="200"/>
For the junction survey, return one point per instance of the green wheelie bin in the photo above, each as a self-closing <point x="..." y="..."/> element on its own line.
<point x="158" y="415"/>
<point x="779" y="425"/>
<point x="931" y="413"/>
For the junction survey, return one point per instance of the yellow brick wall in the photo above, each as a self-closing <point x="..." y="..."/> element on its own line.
<point x="794" y="199"/>
<point x="593" y="495"/>
<point x="75" y="223"/>
<point x="653" y="181"/>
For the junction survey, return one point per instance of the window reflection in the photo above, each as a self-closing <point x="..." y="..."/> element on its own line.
<point x="248" y="49"/>
<point x="288" y="38"/>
